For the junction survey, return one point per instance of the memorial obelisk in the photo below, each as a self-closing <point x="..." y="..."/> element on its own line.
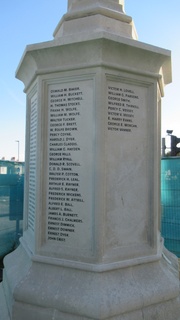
<point x="91" y="246"/>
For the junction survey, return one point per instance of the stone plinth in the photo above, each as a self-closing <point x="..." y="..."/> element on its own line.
<point x="91" y="247"/>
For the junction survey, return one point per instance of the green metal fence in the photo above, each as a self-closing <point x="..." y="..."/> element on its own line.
<point x="11" y="204"/>
<point x="170" y="203"/>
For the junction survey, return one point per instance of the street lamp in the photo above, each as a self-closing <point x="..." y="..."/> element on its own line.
<point x="18" y="149"/>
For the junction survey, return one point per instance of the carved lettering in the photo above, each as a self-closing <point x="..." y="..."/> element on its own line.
<point x="122" y="109"/>
<point x="66" y="204"/>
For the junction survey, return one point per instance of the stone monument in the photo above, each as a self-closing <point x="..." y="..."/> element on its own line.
<point x="91" y="247"/>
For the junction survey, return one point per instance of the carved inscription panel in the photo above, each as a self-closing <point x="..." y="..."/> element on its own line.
<point x="70" y="163"/>
<point x="32" y="162"/>
<point x="128" y="117"/>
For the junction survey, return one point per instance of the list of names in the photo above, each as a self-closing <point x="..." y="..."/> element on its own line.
<point x="66" y="207"/>
<point x="32" y="163"/>
<point x="123" y="108"/>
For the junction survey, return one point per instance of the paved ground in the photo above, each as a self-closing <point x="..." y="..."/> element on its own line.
<point x="1" y="268"/>
<point x="1" y="274"/>
<point x="4" y="315"/>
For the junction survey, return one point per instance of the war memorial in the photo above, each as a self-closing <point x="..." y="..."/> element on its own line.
<point x="91" y="246"/>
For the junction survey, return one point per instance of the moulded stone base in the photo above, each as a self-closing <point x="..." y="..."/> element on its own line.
<point x="164" y="311"/>
<point x="44" y="292"/>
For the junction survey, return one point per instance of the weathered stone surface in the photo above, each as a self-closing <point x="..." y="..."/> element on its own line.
<point x="91" y="247"/>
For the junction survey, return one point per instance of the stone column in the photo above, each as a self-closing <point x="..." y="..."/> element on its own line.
<point x="90" y="16"/>
<point x="74" y="1"/>
<point x="91" y="246"/>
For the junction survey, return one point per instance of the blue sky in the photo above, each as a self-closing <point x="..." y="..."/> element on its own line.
<point x="27" y="22"/>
